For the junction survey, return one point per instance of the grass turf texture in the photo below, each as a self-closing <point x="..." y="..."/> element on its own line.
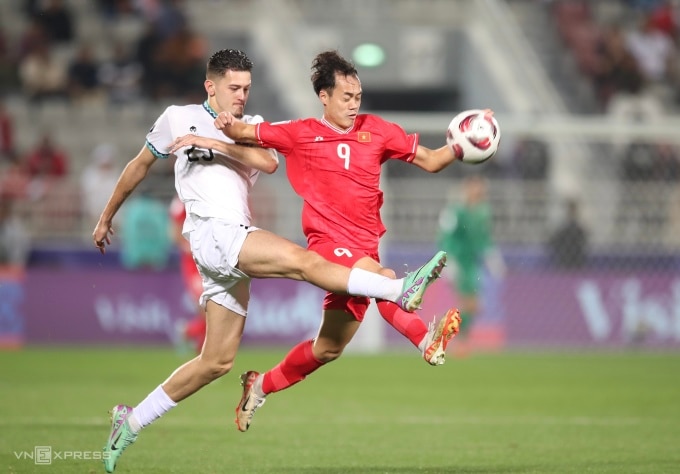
<point x="502" y="413"/>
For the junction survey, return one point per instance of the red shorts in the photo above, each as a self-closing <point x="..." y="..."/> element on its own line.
<point x="347" y="257"/>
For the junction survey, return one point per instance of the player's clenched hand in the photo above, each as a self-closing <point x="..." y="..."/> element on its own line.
<point x="101" y="236"/>
<point x="223" y="120"/>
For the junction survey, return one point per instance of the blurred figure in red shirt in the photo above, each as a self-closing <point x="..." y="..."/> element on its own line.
<point x="46" y="159"/>
<point x="194" y="331"/>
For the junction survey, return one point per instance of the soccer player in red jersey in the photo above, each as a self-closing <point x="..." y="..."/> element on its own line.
<point x="334" y="164"/>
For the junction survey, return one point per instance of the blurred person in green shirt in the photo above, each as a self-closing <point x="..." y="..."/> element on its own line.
<point x="145" y="240"/>
<point x="466" y="234"/>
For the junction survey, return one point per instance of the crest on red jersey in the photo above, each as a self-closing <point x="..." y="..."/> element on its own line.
<point x="364" y="137"/>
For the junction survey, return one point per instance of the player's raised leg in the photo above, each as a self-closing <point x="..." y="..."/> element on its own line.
<point x="267" y="255"/>
<point x="417" y="282"/>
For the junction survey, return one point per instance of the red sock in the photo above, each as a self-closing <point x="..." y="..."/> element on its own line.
<point x="409" y="324"/>
<point x="297" y="365"/>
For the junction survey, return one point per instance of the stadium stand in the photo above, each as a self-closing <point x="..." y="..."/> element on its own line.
<point x="525" y="197"/>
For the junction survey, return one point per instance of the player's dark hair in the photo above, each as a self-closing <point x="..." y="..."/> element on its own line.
<point x="324" y="68"/>
<point x="228" y="60"/>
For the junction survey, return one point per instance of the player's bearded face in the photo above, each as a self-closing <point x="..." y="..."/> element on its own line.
<point x="232" y="92"/>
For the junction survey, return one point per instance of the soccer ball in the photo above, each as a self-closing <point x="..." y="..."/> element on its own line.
<point x="473" y="135"/>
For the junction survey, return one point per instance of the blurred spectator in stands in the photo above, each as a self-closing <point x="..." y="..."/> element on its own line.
<point x="645" y="5"/>
<point x="665" y="17"/>
<point x="15" y="242"/>
<point x="567" y="245"/>
<point x="42" y="77"/>
<point x="182" y="58"/>
<point x="31" y="8"/>
<point x="121" y="76"/>
<point x="166" y="60"/>
<point x="113" y="10"/>
<point x="57" y="20"/>
<point x="7" y="150"/>
<point x="196" y="51"/>
<point x="145" y="55"/>
<point x="145" y="241"/>
<point x="654" y="52"/>
<point x="172" y="55"/>
<point x="46" y="159"/>
<point x="639" y="161"/>
<point x="167" y="15"/>
<point x="669" y="161"/>
<point x="32" y="37"/>
<point x="650" y="161"/>
<point x="14" y="180"/>
<point x="97" y="181"/>
<point x="8" y="66"/>
<point x="531" y="159"/>
<point x="83" y="76"/>
<point x="617" y="75"/>
<point x="622" y="86"/>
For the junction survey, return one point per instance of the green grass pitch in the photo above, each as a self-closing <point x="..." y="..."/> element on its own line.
<point x="570" y="412"/>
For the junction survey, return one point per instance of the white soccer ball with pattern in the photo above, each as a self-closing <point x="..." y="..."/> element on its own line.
<point x="474" y="135"/>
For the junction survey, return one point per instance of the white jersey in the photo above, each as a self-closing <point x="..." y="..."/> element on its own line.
<point x="209" y="184"/>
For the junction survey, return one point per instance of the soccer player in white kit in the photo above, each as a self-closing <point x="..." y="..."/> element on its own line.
<point x="228" y="250"/>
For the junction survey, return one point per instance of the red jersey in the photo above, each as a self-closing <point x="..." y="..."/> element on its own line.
<point x="337" y="173"/>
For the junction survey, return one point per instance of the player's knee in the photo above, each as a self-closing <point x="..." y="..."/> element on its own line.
<point x="328" y="354"/>
<point x="215" y="369"/>
<point x="308" y="261"/>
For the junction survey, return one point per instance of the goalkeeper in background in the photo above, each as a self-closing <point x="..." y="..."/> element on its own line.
<point x="465" y="234"/>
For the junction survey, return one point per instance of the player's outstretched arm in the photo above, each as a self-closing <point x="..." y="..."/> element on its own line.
<point x="235" y="129"/>
<point x="433" y="161"/>
<point x="474" y="129"/>
<point x="132" y="175"/>
<point x="255" y="157"/>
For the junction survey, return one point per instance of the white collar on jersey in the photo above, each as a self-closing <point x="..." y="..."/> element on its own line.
<point x="333" y="127"/>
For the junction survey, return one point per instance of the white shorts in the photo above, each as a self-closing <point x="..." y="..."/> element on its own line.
<point x="215" y="245"/>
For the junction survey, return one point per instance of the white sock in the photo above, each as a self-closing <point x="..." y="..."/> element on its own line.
<point x="421" y="346"/>
<point x="364" y="283"/>
<point x="155" y="405"/>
